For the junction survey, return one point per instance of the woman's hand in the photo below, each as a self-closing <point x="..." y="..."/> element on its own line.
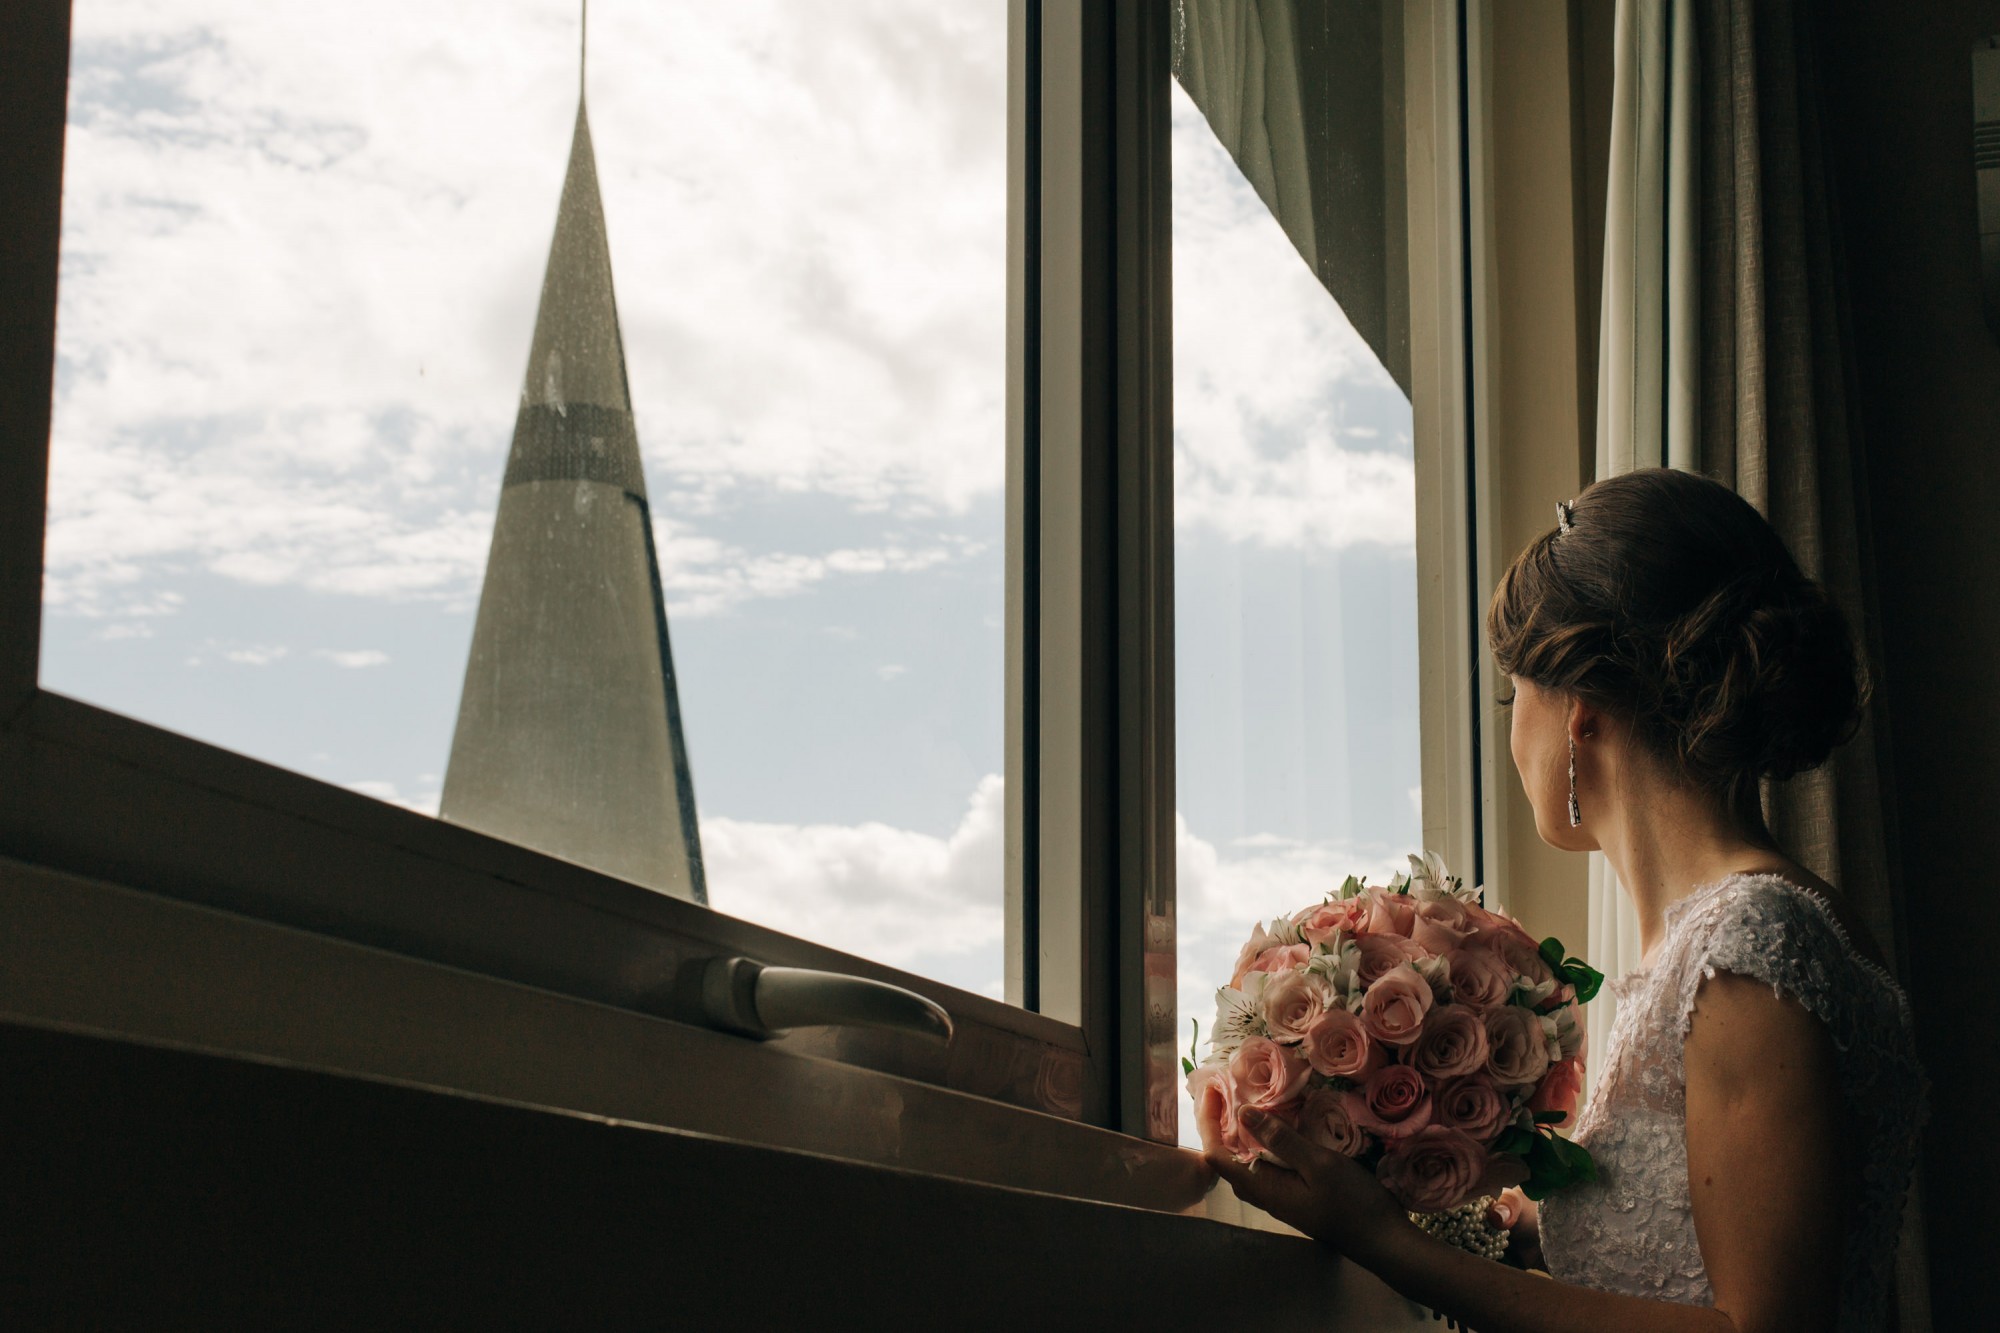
<point x="1329" y="1197"/>
<point x="1516" y="1214"/>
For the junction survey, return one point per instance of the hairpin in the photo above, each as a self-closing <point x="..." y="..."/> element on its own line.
<point x="1565" y="518"/>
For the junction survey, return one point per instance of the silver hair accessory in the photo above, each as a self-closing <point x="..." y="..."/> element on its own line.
<point x="1565" y="518"/>
<point x="1575" y="814"/>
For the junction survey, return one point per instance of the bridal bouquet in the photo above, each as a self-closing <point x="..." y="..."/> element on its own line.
<point x="1407" y="1027"/>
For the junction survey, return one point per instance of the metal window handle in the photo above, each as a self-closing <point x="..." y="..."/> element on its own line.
<point x="743" y="996"/>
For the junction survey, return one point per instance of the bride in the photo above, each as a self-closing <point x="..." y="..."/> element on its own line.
<point x="1755" y="1127"/>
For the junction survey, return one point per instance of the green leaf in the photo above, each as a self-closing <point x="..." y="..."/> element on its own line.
<point x="1513" y="1139"/>
<point x="1584" y="977"/>
<point x="1550" y="1117"/>
<point x="1552" y="953"/>
<point x="1555" y="1163"/>
<point x="1582" y="1166"/>
<point x="1187" y="1066"/>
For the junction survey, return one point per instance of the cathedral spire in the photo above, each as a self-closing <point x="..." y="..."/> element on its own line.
<point x="569" y="733"/>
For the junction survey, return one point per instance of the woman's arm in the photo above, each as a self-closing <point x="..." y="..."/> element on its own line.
<point x="1772" y="1168"/>
<point x="1766" y="1169"/>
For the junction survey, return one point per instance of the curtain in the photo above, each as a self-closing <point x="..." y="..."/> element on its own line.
<point x="1307" y="96"/>
<point x="1724" y="349"/>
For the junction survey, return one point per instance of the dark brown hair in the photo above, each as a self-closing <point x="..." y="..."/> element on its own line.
<point x="1672" y="604"/>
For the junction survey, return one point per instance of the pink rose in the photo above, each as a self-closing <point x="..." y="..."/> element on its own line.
<point x="1521" y="954"/>
<point x="1379" y="955"/>
<point x="1433" y="1170"/>
<point x="1337" y="1046"/>
<point x="1479" y="977"/>
<point x="1293" y="1001"/>
<point x="1473" y="1106"/>
<point x="1320" y="924"/>
<point x="1453" y="1043"/>
<point x="1266" y="1074"/>
<point x="1259" y="941"/>
<point x="1278" y="960"/>
<point x="1483" y="919"/>
<point x="1214" y="1107"/>
<point x="1441" y="925"/>
<point x="1323" y="1119"/>
<point x="1394" y="1103"/>
<point x="1517" y="1049"/>
<point x="1385" y="913"/>
<point x="1559" y="1089"/>
<point x="1393" y="1010"/>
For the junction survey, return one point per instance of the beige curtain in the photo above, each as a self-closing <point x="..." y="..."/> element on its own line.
<point x="1724" y="349"/>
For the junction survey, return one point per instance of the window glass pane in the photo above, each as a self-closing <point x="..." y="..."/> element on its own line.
<point x="628" y="485"/>
<point x="1295" y="563"/>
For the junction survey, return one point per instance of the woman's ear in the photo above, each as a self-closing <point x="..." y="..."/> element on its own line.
<point x="1585" y="721"/>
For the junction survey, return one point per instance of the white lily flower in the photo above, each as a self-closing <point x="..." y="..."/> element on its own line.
<point x="1437" y="972"/>
<point x="1532" y="994"/>
<point x="1569" y="1032"/>
<point x="1551" y="1033"/>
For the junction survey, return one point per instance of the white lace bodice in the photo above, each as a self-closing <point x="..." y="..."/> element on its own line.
<point x="1632" y="1230"/>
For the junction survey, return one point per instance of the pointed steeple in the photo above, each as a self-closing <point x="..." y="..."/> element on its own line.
<point x="569" y="731"/>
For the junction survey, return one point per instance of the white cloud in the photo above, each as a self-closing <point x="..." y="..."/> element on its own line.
<point x="256" y="654"/>
<point x="705" y="576"/>
<point x="354" y="658"/>
<point x="1265" y="373"/>
<point x="124" y="629"/>
<point x="890" y="670"/>
<point x="894" y="895"/>
<point x="302" y="250"/>
<point x="424" y="802"/>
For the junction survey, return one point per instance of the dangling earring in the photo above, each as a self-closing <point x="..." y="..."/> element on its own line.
<point x="1575" y="813"/>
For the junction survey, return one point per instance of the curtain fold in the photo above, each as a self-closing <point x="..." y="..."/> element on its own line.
<point x="1737" y="366"/>
<point x="1307" y="96"/>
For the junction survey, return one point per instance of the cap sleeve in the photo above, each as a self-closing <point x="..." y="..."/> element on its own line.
<point x="1774" y="932"/>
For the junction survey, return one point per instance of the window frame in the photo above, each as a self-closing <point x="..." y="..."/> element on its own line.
<point x="228" y="841"/>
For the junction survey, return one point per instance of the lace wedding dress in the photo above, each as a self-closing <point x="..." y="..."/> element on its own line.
<point x="1632" y="1230"/>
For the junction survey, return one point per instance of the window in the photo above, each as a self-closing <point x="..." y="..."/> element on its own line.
<point x="749" y="543"/>
<point x="1061" y="524"/>
<point x="1295" y="564"/>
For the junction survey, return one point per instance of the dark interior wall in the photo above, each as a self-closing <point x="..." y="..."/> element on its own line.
<point x="1900" y="134"/>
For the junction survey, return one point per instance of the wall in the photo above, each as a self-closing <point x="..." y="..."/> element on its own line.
<point x="1540" y="262"/>
<point x="1898" y="99"/>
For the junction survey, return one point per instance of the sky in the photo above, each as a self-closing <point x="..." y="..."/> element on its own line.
<point x="302" y="246"/>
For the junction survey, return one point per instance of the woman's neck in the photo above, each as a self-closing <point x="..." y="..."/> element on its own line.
<point x="1664" y="841"/>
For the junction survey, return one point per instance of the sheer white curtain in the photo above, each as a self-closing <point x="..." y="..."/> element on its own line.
<point x="1649" y="348"/>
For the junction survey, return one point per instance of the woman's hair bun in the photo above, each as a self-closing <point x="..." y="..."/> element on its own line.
<point x="1669" y="601"/>
<point x="1759" y="677"/>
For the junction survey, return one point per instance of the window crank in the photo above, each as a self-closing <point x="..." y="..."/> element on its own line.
<point x="744" y="996"/>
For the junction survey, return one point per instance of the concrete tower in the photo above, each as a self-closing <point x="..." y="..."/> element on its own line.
<point x="569" y="730"/>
